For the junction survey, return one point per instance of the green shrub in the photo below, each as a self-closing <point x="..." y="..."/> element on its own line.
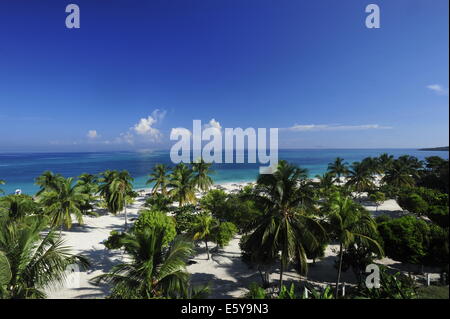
<point x="224" y="233"/>
<point x="438" y="215"/>
<point x="149" y="219"/>
<point x="114" y="240"/>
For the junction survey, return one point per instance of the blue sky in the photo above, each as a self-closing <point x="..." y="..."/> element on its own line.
<point x="310" y="68"/>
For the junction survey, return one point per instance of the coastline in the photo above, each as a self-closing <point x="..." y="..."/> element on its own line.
<point x="225" y="271"/>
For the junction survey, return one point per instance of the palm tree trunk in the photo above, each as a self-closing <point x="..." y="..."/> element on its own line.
<point x="206" y="244"/>
<point x="126" y="218"/>
<point x="339" y="271"/>
<point x="281" y="274"/>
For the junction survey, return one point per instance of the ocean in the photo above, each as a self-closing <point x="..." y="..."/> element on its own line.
<point x="19" y="170"/>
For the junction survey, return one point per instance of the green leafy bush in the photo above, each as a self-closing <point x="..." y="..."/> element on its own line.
<point x="224" y="232"/>
<point x="149" y="219"/>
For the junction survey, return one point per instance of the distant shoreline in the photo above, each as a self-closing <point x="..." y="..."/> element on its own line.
<point x="442" y="149"/>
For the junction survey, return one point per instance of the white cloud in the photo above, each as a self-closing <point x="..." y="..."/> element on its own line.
<point x="332" y="127"/>
<point x="438" y="89"/>
<point x="92" y="134"/>
<point x="145" y="126"/>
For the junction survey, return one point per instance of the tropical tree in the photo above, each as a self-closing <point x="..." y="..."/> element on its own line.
<point x="35" y="260"/>
<point x="385" y="162"/>
<point x="412" y="162"/>
<point x="182" y="185"/>
<point x="18" y="206"/>
<point x="119" y="189"/>
<point x="115" y="188"/>
<point x="88" y="186"/>
<point x="5" y="274"/>
<point x="62" y="202"/>
<point x="48" y="181"/>
<point x="287" y="226"/>
<point x="160" y="178"/>
<point x="201" y="179"/>
<point x="151" y="220"/>
<point x="215" y="202"/>
<point x="360" y="177"/>
<point x="224" y="233"/>
<point x="400" y="174"/>
<point x="349" y="221"/>
<point x="159" y="202"/>
<point x="338" y="168"/>
<point x="372" y="165"/>
<point x="152" y="270"/>
<point x="325" y="183"/>
<point x="203" y="228"/>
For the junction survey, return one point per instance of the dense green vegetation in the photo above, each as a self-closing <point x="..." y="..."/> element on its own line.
<point x="282" y="221"/>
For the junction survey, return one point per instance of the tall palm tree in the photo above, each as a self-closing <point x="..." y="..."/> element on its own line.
<point x="19" y="206"/>
<point x="203" y="227"/>
<point x="63" y="202"/>
<point x="325" y="182"/>
<point x="338" y="168"/>
<point x="119" y="188"/>
<point x="360" y="177"/>
<point x="160" y="177"/>
<point x="201" y="178"/>
<point x="348" y="222"/>
<point x="286" y="227"/>
<point x="385" y="162"/>
<point x="182" y="184"/>
<point x="153" y="271"/>
<point x="399" y="175"/>
<point x="36" y="260"/>
<point x="48" y="181"/>
<point x="87" y="184"/>
<point x="372" y="165"/>
<point x="412" y="162"/>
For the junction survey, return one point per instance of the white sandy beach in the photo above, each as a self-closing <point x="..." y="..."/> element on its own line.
<point x="227" y="275"/>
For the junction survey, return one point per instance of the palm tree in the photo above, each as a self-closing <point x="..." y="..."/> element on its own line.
<point x="325" y="182"/>
<point x="287" y="225"/>
<point x="399" y="175"/>
<point x="87" y="184"/>
<point x="160" y="177"/>
<point x="119" y="188"/>
<point x="2" y="182"/>
<point x="183" y="188"/>
<point x="203" y="227"/>
<point x="63" y="202"/>
<point x="372" y="165"/>
<point x="338" y="168"/>
<point x="48" y="181"/>
<point x="385" y="162"/>
<point x="412" y="162"/>
<point x="348" y="222"/>
<point x="153" y="271"/>
<point x="19" y="206"/>
<point x="360" y="177"/>
<point x="36" y="260"/>
<point x="201" y="178"/>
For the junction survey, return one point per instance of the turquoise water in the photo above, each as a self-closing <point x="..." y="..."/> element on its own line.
<point x="20" y="169"/>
